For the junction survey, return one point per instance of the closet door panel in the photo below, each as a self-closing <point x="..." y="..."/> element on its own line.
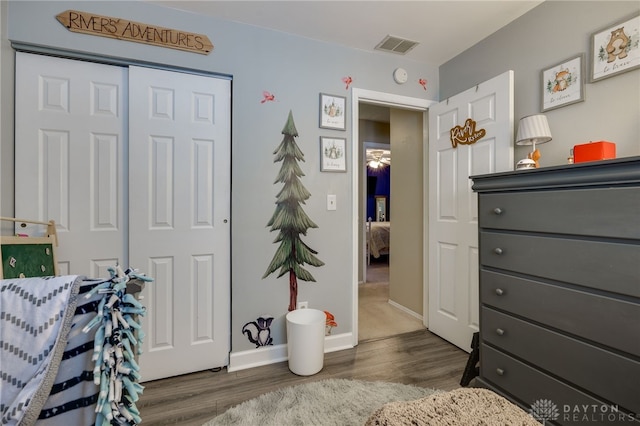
<point x="179" y="211"/>
<point x="69" y="158"/>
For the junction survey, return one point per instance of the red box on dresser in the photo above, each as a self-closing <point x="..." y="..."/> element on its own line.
<point x="594" y="151"/>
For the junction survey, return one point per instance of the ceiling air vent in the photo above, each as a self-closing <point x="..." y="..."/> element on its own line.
<point x="396" y="45"/>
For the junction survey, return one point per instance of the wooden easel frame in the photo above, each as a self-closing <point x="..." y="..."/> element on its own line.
<point x="24" y="244"/>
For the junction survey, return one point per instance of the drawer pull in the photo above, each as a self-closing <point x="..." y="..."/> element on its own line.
<point x="499" y="291"/>
<point x="497" y="250"/>
<point x="497" y="211"/>
<point x="499" y="332"/>
<point x="499" y="371"/>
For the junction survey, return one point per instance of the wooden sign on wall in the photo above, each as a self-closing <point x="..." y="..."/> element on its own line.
<point x="122" y="29"/>
<point x="467" y="134"/>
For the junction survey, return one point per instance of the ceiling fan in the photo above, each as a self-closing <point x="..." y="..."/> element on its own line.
<point x="378" y="158"/>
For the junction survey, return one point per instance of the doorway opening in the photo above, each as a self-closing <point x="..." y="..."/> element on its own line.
<point x="369" y="311"/>
<point x="377" y="317"/>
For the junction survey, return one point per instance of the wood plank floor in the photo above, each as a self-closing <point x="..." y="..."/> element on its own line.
<point x="394" y="347"/>
<point x="418" y="357"/>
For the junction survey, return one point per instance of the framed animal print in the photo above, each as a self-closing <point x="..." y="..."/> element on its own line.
<point x="615" y="49"/>
<point x="563" y="84"/>
<point x="333" y="112"/>
<point x="333" y="154"/>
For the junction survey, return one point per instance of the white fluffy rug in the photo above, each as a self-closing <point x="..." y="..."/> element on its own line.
<point x="325" y="402"/>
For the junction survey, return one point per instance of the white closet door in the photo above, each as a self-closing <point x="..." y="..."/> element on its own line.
<point x="165" y="214"/>
<point x="179" y="212"/>
<point x="69" y="158"/>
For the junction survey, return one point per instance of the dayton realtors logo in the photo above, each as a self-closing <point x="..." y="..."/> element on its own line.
<point x="544" y="410"/>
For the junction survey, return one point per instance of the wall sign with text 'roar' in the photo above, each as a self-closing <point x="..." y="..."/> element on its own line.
<point x="467" y="134"/>
<point x="122" y="29"/>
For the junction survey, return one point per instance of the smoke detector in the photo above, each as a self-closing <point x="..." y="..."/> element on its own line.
<point x="396" y="45"/>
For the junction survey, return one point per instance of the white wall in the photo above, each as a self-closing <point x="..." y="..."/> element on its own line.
<point x="545" y="36"/>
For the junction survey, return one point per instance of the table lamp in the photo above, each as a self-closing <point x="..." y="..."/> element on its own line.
<point x="532" y="130"/>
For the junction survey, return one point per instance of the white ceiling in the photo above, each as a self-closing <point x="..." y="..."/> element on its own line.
<point x="443" y="29"/>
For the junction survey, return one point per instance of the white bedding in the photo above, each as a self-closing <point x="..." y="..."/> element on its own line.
<point x="379" y="237"/>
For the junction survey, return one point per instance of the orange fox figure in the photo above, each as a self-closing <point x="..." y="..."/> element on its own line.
<point x="562" y="81"/>
<point x="535" y="156"/>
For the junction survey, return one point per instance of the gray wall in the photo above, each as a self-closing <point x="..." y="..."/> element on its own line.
<point x="296" y="70"/>
<point x="545" y="36"/>
<point x="6" y="123"/>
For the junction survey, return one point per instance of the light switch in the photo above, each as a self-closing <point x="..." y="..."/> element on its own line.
<point x="331" y="202"/>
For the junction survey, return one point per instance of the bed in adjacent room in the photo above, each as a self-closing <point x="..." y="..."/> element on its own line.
<point x="378" y="236"/>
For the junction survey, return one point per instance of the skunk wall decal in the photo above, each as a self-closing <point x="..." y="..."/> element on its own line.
<point x="259" y="331"/>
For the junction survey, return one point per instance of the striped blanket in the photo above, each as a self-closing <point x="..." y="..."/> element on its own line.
<point x="46" y="370"/>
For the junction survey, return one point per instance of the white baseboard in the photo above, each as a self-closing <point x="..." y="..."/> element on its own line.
<point x="257" y="357"/>
<point x="404" y="309"/>
<point x="277" y="353"/>
<point x="339" y="342"/>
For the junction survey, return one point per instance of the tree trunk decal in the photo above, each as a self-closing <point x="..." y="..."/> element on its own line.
<point x="289" y="218"/>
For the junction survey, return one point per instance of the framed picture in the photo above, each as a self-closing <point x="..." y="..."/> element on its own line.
<point x="333" y="112"/>
<point x="615" y="49"/>
<point x="563" y="84"/>
<point x="333" y="154"/>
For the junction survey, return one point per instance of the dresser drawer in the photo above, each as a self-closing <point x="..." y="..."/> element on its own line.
<point x="577" y="312"/>
<point x="531" y="385"/>
<point x="604" y="373"/>
<point x="607" y="266"/>
<point x="603" y="212"/>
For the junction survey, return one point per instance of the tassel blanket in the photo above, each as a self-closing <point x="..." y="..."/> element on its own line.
<point x="36" y="316"/>
<point x="62" y="360"/>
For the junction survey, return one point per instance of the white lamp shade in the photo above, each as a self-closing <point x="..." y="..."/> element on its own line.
<point x="533" y="130"/>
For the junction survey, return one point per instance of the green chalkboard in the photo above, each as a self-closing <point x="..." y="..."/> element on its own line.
<point x="27" y="257"/>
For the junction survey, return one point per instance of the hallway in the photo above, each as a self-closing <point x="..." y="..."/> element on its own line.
<point x="376" y="317"/>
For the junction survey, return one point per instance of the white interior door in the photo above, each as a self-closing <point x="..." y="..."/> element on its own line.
<point x="70" y="158"/>
<point x="179" y="212"/>
<point x="453" y="223"/>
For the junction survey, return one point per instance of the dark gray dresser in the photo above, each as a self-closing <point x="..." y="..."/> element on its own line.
<point x="559" y="251"/>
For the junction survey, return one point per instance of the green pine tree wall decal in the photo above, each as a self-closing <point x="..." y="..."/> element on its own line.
<point x="289" y="218"/>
